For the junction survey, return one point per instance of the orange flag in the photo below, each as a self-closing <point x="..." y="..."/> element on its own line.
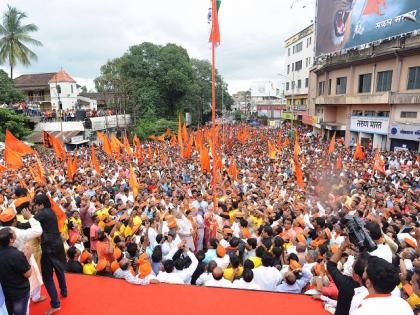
<point x="127" y="146"/>
<point x="379" y="164"/>
<point x="94" y="161"/>
<point x="299" y="176"/>
<point x="61" y="216"/>
<point x="136" y="141"/>
<point x="70" y="172"/>
<point x="204" y="160"/>
<point x="286" y="142"/>
<point x="12" y="159"/>
<point x="271" y="151"/>
<point x="106" y="144"/>
<point x="161" y="138"/>
<point x="40" y="169"/>
<point x="16" y="145"/>
<point x="3" y="168"/>
<point x="297" y="148"/>
<point x="187" y="152"/>
<point x="59" y="151"/>
<point x="339" y="163"/>
<point x="133" y="182"/>
<point x="358" y="154"/>
<point x="331" y="148"/>
<point x="233" y="170"/>
<point x="184" y="133"/>
<point x="173" y="141"/>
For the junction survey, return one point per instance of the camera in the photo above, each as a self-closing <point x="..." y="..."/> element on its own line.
<point x="358" y="234"/>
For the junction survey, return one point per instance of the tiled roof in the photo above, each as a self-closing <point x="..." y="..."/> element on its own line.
<point x="62" y="76"/>
<point x="39" y="79"/>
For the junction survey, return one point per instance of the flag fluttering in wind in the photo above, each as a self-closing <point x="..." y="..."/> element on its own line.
<point x="12" y="159"/>
<point x="60" y="214"/>
<point x="339" y="163"/>
<point x="331" y="148"/>
<point x="379" y="164"/>
<point x="358" y="154"/>
<point x="16" y="145"/>
<point x="271" y="150"/>
<point x="214" y="20"/>
<point x="299" y="176"/>
<point x="372" y="7"/>
<point x="94" y="161"/>
<point x="233" y="170"/>
<point x="127" y="147"/>
<point x="204" y="160"/>
<point x="59" y="151"/>
<point x="132" y="182"/>
<point x="106" y="144"/>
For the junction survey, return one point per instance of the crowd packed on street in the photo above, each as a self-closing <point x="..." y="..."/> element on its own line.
<point x="269" y="209"/>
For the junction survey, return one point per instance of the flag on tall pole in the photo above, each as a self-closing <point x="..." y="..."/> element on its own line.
<point x="214" y="20"/>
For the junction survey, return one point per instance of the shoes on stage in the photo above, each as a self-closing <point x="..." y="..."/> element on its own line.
<point x="52" y="310"/>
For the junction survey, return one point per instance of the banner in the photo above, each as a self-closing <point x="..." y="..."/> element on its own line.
<point x="366" y="124"/>
<point x="287" y="116"/>
<point x="343" y="24"/>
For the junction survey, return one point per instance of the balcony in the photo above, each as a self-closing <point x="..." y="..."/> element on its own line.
<point x="405" y="98"/>
<point x="365" y="99"/>
<point x="38" y="99"/>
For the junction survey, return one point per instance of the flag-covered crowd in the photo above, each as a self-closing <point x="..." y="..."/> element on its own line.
<point x="145" y="212"/>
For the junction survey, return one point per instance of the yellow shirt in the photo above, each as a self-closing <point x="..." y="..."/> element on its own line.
<point x="89" y="269"/>
<point x="256" y="260"/>
<point x="137" y="221"/>
<point x="77" y="222"/>
<point x="256" y="221"/>
<point x="232" y="214"/>
<point x="228" y="273"/>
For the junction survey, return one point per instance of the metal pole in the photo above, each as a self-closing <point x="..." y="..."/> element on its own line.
<point x="293" y="101"/>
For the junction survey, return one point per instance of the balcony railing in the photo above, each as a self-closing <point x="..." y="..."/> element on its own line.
<point x="43" y="98"/>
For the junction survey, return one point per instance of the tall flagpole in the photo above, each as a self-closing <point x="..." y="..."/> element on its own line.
<point x="213" y="103"/>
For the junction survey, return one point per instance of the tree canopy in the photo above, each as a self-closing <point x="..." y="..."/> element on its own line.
<point x="8" y="93"/>
<point x="158" y="81"/>
<point x="16" y="123"/>
<point x="15" y="38"/>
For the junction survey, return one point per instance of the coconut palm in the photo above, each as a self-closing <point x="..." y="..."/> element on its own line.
<point x="14" y="36"/>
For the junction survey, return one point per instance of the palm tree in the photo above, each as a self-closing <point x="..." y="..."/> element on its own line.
<point x="14" y="36"/>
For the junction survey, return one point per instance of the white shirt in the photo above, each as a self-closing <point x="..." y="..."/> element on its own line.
<point x="361" y="292"/>
<point x="384" y="305"/>
<point x="184" y="226"/>
<point x="172" y="277"/>
<point x="151" y="234"/>
<point x="203" y="278"/>
<point x="126" y="274"/>
<point x="222" y="262"/>
<point x="23" y="236"/>
<point x="187" y="273"/>
<point x="267" y="278"/>
<point x="383" y="251"/>
<point x="242" y="284"/>
<point x="222" y="283"/>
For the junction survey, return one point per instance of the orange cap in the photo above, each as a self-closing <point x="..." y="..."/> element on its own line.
<point x="227" y="231"/>
<point x="294" y="265"/>
<point x="7" y="215"/>
<point x="301" y="238"/>
<point x="220" y="251"/>
<point x="101" y="264"/>
<point x="21" y="200"/>
<point x="84" y="256"/>
<point x="145" y="267"/>
<point x="114" y="266"/>
<point x="117" y="253"/>
<point x="410" y="242"/>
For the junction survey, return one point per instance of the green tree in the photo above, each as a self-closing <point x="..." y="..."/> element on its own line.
<point x="14" y="38"/>
<point x="16" y="123"/>
<point x="8" y="93"/>
<point x="237" y="115"/>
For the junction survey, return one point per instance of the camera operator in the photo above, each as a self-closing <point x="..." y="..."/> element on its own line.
<point x="382" y="250"/>
<point x="346" y="284"/>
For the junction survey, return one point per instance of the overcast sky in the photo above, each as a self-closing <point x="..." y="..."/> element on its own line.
<point x="80" y="36"/>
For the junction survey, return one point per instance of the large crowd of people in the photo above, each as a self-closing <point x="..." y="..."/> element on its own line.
<point x="348" y="234"/>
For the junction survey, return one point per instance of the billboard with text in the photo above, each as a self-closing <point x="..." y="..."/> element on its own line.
<point x="343" y="24"/>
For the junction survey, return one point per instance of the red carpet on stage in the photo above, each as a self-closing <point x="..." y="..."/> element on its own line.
<point x="97" y="295"/>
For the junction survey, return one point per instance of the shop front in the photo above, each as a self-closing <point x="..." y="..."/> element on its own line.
<point x="370" y="131"/>
<point x="405" y="136"/>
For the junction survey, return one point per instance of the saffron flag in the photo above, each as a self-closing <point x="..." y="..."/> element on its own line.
<point x="127" y="146"/>
<point x="379" y="164"/>
<point x="215" y="30"/>
<point x="61" y="216"/>
<point x="12" y="159"/>
<point x="59" y="151"/>
<point x="94" y="161"/>
<point x="271" y="151"/>
<point x="299" y="176"/>
<point x="358" y="154"/>
<point x="40" y="170"/>
<point x="16" y="145"/>
<point x="133" y="182"/>
<point x="70" y="172"/>
<point x="106" y="144"/>
<point x="339" y="163"/>
<point x="233" y="170"/>
<point x="204" y="160"/>
<point x="296" y="151"/>
<point x="372" y="7"/>
<point x="331" y="148"/>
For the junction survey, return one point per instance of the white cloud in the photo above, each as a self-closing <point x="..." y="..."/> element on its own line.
<point x="81" y="35"/>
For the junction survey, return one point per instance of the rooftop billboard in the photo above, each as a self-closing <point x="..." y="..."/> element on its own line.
<point x="344" y="24"/>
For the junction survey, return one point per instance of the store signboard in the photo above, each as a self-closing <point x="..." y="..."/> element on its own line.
<point x="378" y="125"/>
<point x="288" y="116"/>
<point x="406" y="132"/>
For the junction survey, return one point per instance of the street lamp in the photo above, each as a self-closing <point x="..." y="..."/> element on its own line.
<point x="293" y="95"/>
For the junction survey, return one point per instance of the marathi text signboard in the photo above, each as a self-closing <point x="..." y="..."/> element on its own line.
<point x="406" y="132"/>
<point x="377" y="125"/>
<point x="343" y="24"/>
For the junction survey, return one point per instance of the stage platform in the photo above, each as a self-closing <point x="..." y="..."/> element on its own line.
<point x="91" y="295"/>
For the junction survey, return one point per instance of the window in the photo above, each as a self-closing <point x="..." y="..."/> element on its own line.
<point x="288" y="51"/>
<point x="321" y="88"/>
<point x="370" y="113"/>
<point x="341" y="86"/>
<point x="382" y="114"/>
<point x="309" y="61"/>
<point x="308" y="41"/>
<point x="298" y="48"/>
<point x="72" y="89"/>
<point x="293" y="85"/>
<point x="357" y="113"/>
<point x="365" y="81"/>
<point x="298" y="65"/>
<point x="384" y="81"/>
<point x="288" y="69"/>
<point x="306" y="82"/>
<point x="287" y="86"/>
<point x="413" y="78"/>
<point x="293" y="67"/>
<point x="306" y="62"/>
<point x="329" y="86"/>
<point x="299" y="84"/>
<point x="408" y="115"/>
